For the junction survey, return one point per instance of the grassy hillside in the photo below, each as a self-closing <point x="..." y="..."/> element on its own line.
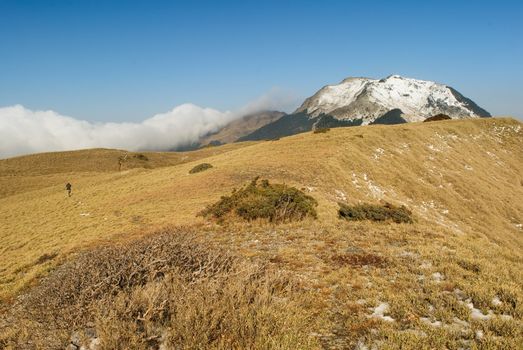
<point x="27" y="173"/>
<point x="451" y="279"/>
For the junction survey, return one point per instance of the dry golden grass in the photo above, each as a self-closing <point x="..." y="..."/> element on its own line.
<point x="463" y="181"/>
<point x="166" y="290"/>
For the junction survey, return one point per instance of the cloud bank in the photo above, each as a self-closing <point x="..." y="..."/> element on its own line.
<point x="23" y="131"/>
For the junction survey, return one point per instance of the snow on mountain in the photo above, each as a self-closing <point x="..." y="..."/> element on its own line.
<point x="368" y="99"/>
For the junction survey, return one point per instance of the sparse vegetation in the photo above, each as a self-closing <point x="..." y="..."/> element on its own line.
<point x="273" y="202"/>
<point x="200" y="167"/>
<point x="375" y="212"/>
<point x="321" y="130"/>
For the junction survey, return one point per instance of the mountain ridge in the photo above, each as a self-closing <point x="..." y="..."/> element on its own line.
<point x="364" y="101"/>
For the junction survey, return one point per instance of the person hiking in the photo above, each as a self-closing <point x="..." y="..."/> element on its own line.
<point x="68" y="189"/>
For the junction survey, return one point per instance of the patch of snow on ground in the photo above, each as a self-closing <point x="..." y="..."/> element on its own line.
<point x="492" y="155"/>
<point x="375" y="190"/>
<point x="429" y="322"/>
<point x="496" y="301"/>
<point x="403" y="147"/>
<point x="340" y="195"/>
<point x="438" y="277"/>
<point x="378" y="153"/>
<point x="459" y="294"/>
<point x="433" y="148"/>
<point x="408" y="254"/>
<point x="361" y="346"/>
<point x="479" y="334"/>
<point x="476" y="314"/>
<point x="460" y="322"/>
<point x="355" y="181"/>
<point x="426" y="265"/>
<point x="379" y="312"/>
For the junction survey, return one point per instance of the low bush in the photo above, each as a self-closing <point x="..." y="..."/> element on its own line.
<point x="200" y="168"/>
<point x="375" y="212"/>
<point x="274" y="202"/>
<point x="321" y="130"/>
<point x="140" y="156"/>
<point x="437" y="117"/>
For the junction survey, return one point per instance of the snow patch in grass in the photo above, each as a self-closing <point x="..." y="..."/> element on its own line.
<point x="340" y="195"/>
<point x="361" y="346"/>
<point x="429" y="322"/>
<point x="496" y="301"/>
<point x="476" y="314"/>
<point x="460" y="323"/>
<point x="433" y="148"/>
<point x="438" y="277"/>
<point x="407" y="254"/>
<point x="479" y="334"/>
<point x="425" y="265"/>
<point x="378" y="153"/>
<point x="379" y="312"/>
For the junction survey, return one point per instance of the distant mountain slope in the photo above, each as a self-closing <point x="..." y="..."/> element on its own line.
<point x="363" y="101"/>
<point x="235" y="130"/>
<point x="241" y="127"/>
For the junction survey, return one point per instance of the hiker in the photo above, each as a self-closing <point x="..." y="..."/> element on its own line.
<point x="68" y="189"/>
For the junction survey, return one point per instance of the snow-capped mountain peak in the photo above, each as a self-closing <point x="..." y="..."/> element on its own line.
<point x="369" y="99"/>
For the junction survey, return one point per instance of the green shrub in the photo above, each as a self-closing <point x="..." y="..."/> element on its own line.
<point x="321" y="130"/>
<point x="274" y="202"/>
<point x="375" y="212"/>
<point x="200" y="168"/>
<point x="437" y="117"/>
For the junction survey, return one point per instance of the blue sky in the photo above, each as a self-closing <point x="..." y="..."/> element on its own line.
<point x="128" y="60"/>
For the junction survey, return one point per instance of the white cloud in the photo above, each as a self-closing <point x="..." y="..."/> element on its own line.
<point x="276" y="99"/>
<point x="23" y="131"/>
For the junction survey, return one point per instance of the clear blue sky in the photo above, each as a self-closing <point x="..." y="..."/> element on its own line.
<point x="127" y="60"/>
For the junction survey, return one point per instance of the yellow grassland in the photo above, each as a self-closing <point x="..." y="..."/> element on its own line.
<point x="462" y="179"/>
